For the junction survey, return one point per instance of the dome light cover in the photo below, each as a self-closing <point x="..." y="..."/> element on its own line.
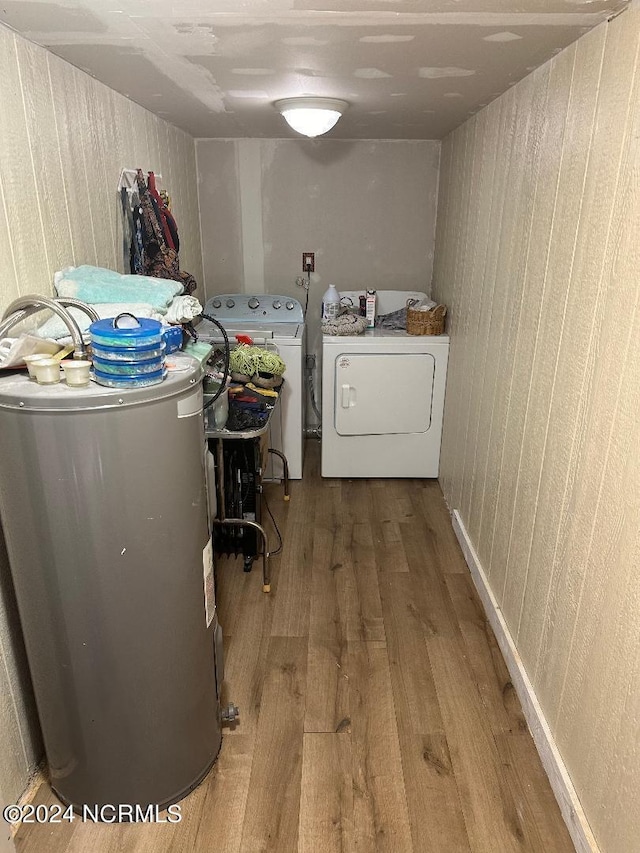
<point x="311" y="116"/>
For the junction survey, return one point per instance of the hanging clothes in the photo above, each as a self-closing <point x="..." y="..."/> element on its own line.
<point x="160" y="261"/>
<point x="164" y="264"/>
<point x="127" y="229"/>
<point x="132" y="247"/>
<point x="173" y="229"/>
<point x="151" y="225"/>
<point x="137" y="246"/>
<point x="169" y="227"/>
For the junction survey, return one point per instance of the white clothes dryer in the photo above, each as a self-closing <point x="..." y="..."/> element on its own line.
<point x="383" y="399"/>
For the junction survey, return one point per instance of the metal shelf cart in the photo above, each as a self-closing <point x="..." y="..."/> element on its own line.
<point x="240" y="459"/>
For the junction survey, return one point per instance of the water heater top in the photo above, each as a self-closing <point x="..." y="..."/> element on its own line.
<point x="17" y="391"/>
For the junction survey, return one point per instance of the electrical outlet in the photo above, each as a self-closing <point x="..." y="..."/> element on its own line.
<point x="308" y="262"/>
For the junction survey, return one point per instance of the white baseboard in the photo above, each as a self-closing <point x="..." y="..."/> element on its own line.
<point x="554" y="766"/>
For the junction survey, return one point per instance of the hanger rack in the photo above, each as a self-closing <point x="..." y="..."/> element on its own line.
<point x="128" y="179"/>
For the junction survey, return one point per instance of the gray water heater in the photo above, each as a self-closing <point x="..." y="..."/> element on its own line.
<point x="104" y="508"/>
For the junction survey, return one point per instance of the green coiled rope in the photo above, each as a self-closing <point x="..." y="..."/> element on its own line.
<point x="249" y="360"/>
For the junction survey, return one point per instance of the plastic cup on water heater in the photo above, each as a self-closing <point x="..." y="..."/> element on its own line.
<point x="76" y="372"/>
<point x="30" y="361"/>
<point x="47" y="371"/>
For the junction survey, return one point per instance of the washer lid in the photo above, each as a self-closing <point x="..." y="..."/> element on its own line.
<point x="17" y="391"/>
<point x="254" y="328"/>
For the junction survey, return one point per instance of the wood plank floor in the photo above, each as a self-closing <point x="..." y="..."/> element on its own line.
<point x="376" y="711"/>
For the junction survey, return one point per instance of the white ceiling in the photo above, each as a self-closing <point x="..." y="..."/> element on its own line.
<point x="410" y="69"/>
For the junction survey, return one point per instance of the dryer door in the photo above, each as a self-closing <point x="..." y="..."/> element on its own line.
<point x="383" y="393"/>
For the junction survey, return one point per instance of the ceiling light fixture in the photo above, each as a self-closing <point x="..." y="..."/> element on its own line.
<point x="311" y="116"/>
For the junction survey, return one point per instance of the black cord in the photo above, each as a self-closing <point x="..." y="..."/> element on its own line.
<point x="308" y="288"/>
<point x="227" y="355"/>
<point x="273" y="521"/>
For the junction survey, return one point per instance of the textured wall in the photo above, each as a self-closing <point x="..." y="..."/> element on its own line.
<point x="538" y="253"/>
<point x="64" y="138"/>
<point x="367" y="209"/>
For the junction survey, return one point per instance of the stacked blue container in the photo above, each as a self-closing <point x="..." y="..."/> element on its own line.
<point x="127" y="352"/>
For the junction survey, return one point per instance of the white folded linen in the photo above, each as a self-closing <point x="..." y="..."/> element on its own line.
<point x="183" y="309"/>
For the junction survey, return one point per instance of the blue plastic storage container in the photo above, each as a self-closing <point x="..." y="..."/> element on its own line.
<point x="128" y="352"/>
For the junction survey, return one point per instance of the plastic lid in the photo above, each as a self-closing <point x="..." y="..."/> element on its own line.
<point x="126" y="327"/>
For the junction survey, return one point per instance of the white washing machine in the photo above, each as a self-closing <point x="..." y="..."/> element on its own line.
<point x="383" y="399"/>
<point x="278" y="322"/>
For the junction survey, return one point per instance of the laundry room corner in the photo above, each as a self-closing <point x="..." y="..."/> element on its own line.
<point x="366" y="208"/>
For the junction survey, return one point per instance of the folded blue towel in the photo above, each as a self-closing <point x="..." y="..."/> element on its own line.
<point x="98" y="285"/>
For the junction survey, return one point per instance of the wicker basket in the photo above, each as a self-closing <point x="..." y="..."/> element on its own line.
<point x="426" y="322"/>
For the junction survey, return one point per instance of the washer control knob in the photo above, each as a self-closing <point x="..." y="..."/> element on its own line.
<point x="217" y="303"/>
<point x="277" y="304"/>
<point x="231" y="303"/>
<point x="290" y="305"/>
<point x="253" y="302"/>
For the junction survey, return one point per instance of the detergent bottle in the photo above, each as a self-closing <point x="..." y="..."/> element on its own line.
<point x="330" y="303"/>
